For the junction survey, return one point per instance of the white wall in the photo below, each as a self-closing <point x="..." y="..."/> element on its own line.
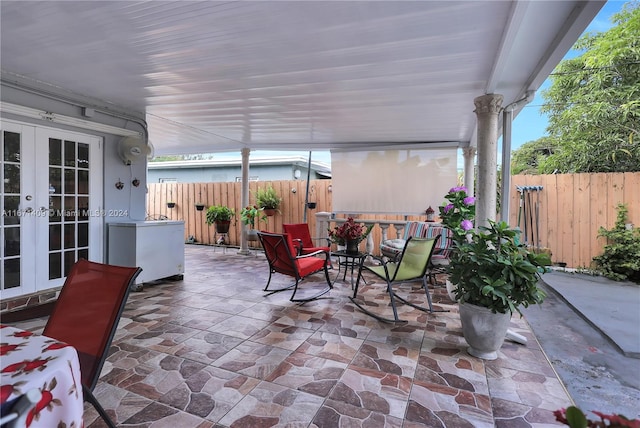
<point x="118" y="205"/>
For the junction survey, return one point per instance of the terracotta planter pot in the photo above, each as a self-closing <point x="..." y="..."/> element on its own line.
<point x="269" y="212"/>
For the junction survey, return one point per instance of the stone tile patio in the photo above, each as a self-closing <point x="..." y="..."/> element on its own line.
<point x="211" y="350"/>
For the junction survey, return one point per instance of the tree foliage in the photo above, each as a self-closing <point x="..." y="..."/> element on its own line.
<point x="593" y="102"/>
<point x="527" y="158"/>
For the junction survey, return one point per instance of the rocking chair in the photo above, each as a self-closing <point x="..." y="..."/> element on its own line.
<point x="282" y="258"/>
<point x="412" y="265"/>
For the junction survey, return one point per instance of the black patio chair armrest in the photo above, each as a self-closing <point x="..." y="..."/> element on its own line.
<point x="297" y="243"/>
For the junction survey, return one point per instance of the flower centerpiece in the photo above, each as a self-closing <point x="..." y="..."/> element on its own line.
<point x="350" y="234"/>
<point x="491" y="272"/>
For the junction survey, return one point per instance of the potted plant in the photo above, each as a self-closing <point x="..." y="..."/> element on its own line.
<point x="221" y="216"/>
<point x="350" y="234"/>
<point x="268" y="200"/>
<point x="248" y="216"/>
<point x="492" y="274"/>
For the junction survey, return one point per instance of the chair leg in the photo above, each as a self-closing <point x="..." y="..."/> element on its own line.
<point x="315" y="296"/>
<point x="426" y="292"/>
<point x="376" y="316"/>
<point x="88" y="396"/>
<point x="270" y="292"/>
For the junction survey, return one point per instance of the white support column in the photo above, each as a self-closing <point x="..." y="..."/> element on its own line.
<point x="244" y="244"/>
<point x="469" y="154"/>
<point x="487" y="109"/>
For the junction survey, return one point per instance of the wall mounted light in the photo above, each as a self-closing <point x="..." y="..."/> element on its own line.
<point x="297" y="174"/>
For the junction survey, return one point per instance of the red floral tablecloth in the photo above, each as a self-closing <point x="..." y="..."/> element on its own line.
<point x="28" y="361"/>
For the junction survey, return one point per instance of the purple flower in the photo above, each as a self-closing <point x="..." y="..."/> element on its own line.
<point x="469" y="200"/>
<point x="458" y="189"/>
<point x="466" y="225"/>
<point x="448" y="208"/>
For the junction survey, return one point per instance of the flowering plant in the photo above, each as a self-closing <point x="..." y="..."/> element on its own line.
<point x="459" y="213"/>
<point x="249" y="214"/>
<point x="488" y="266"/>
<point x="349" y="231"/>
<point x="574" y="418"/>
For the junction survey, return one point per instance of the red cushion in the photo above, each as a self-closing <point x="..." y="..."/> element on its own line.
<point x="309" y="265"/>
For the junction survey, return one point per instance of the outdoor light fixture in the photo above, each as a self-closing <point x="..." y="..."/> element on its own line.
<point x="67" y="120"/>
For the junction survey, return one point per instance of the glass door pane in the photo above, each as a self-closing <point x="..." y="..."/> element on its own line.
<point x="10" y="223"/>
<point x="68" y="205"/>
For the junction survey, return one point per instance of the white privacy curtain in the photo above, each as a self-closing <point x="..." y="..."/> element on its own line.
<point x="404" y="181"/>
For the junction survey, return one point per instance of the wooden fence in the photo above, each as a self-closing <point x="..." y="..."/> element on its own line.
<point x="570" y="209"/>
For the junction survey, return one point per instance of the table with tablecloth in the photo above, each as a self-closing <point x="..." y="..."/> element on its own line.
<point x="28" y="361"/>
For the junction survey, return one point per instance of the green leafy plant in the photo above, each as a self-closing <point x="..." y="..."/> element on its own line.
<point x="621" y="257"/>
<point x="217" y="213"/>
<point x="573" y="417"/>
<point x="488" y="266"/>
<point x="267" y="198"/>
<point x="249" y="214"/>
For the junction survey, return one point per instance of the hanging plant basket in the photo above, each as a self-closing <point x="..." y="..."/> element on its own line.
<point x="269" y="212"/>
<point x="200" y="207"/>
<point x="171" y="204"/>
<point x="311" y="205"/>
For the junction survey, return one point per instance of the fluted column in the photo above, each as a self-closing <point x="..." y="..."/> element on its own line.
<point x="469" y="154"/>
<point x="488" y="107"/>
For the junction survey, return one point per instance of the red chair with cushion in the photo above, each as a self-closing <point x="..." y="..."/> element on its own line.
<point x="282" y="257"/>
<point x="301" y="238"/>
<point x="86" y="316"/>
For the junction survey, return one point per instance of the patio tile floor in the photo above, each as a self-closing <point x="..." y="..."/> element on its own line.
<point x="211" y="351"/>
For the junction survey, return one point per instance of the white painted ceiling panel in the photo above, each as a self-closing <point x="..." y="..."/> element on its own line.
<point x="219" y="76"/>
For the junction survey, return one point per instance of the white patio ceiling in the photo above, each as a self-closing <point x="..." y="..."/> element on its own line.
<point x="220" y="76"/>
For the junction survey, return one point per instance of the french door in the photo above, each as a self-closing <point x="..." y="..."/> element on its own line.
<point x="51" y="205"/>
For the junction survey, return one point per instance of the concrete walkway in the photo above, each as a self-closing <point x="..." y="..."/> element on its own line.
<point x="588" y="326"/>
<point x="611" y="307"/>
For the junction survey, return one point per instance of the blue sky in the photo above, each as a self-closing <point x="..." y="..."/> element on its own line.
<point x="529" y="125"/>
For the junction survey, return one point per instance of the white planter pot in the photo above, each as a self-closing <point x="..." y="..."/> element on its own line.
<point x="483" y="330"/>
<point x="252" y="235"/>
<point x="450" y="290"/>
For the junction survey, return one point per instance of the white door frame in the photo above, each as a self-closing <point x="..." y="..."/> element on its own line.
<point x="34" y="233"/>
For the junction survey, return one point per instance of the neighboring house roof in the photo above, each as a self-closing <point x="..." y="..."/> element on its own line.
<point x="321" y="168"/>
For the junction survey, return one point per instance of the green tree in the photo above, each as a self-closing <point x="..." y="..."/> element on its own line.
<point x="527" y="158"/>
<point x="593" y="102"/>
